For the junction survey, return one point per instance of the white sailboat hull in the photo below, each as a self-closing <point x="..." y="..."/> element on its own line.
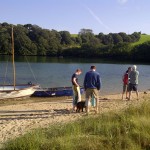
<point x="20" y="91"/>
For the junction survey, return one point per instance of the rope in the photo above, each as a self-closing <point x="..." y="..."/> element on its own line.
<point x="31" y="69"/>
<point x="27" y="61"/>
<point x="5" y="75"/>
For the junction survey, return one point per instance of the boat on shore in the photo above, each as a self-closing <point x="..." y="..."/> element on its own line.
<point x="16" y="90"/>
<point x="20" y="91"/>
<point x="58" y="91"/>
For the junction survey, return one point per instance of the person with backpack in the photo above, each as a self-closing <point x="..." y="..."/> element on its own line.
<point x="125" y="80"/>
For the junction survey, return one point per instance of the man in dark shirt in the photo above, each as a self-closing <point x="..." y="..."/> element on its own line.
<point x="92" y="85"/>
<point x="76" y="88"/>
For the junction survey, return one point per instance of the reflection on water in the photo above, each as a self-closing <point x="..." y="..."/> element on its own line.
<point x="43" y="59"/>
<point x="56" y="72"/>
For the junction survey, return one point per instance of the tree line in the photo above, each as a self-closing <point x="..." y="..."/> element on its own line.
<point x="33" y="40"/>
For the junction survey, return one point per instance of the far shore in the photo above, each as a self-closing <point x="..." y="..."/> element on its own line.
<point x="20" y="116"/>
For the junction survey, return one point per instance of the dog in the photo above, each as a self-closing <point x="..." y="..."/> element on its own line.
<point x="80" y="106"/>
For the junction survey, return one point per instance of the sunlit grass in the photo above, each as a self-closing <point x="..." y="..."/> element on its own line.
<point x="74" y="35"/>
<point x="144" y="38"/>
<point x="128" y="130"/>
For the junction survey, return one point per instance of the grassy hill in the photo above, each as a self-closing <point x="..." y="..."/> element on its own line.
<point x="144" y="38"/>
<point x="74" y="35"/>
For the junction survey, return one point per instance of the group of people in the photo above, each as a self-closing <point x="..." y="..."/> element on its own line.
<point x="130" y="82"/>
<point x="92" y="86"/>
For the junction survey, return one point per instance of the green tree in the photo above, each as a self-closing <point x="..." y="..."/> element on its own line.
<point x="101" y="37"/>
<point x="23" y="44"/>
<point x="116" y="38"/>
<point x="86" y="35"/>
<point x="125" y="37"/>
<point x="121" y="50"/>
<point x="5" y="40"/>
<point x="107" y="39"/>
<point x="136" y="35"/>
<point x="54" y="43"/>
<point x="142" y="52"/>
<point x="78" y="40"/>
<point x="65" y="37"/>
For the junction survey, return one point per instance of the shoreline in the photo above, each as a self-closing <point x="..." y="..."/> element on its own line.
<point x="18" y="118"/>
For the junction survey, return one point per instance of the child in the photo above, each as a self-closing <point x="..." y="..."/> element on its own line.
<point x="126" y="82"/>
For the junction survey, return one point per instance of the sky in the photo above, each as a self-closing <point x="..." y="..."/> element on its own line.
<point x="106" y="16"/>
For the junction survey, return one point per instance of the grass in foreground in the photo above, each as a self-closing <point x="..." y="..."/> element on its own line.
<point x="128" y="130"/>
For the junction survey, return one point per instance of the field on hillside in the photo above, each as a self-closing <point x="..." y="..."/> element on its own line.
<point x="144" y="38"/>
<point x="74" y="35"/>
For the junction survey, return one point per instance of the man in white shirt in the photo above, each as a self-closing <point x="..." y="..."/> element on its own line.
<point x="133" y="84"/>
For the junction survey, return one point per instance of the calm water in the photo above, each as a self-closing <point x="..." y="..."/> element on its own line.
<point x="52" y="72"/>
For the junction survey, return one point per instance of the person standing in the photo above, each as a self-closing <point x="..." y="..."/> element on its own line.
<point x="92" y="86"/>
<point x="125" y="80"/>
<point x="133" y="75"/>
<point x="76" y="88"/>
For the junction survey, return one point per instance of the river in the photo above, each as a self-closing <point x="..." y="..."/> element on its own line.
<point x="57" y="72"/>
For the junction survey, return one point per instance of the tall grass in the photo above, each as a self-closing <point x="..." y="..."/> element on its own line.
<point x="128" y="130"/>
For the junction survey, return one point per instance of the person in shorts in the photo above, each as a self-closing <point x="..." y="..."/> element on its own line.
<point x="133" y="85"/>
<point x="92" y="86"/>
<point x="125" y="80"/>
<point x="76" y="88"/>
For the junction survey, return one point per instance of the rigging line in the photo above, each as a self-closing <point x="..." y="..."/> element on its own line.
<point x="5" y="76"/>
<point x="27" y="60"/>
<point x="31" y="69"/>
<point x="27" y="51"/>
<point x="5" y="73"/>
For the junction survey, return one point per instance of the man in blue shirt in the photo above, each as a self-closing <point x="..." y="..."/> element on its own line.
<point x="92" y="85"/>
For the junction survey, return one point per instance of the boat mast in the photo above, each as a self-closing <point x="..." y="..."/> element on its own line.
<point x="13" y="59"/>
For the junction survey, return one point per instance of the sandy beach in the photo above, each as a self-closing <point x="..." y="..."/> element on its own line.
<point x="20" y="117"/>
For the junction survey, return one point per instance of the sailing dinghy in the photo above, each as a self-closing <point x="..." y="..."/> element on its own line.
<point x="57" y="91"/>
<point x="16" y="91"/>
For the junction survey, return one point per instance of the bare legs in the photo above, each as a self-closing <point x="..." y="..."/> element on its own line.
<point x="89" y="94"/>
<point x="125" y="91"/>
<point x="137" y="94"/>
<point x="88" y="105"/>
<point x="130" y="95"/>
<point x="126" y="94"/>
